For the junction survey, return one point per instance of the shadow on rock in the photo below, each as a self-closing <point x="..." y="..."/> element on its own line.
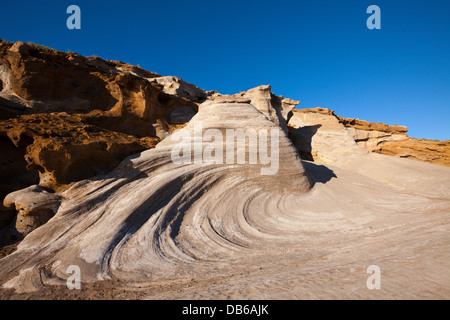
<point x="318" y="173"/>
<point x="302" y="137"/>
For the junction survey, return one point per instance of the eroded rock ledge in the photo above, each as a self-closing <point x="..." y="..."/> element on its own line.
<point x="374" y="137"/>
<point x="65" y="117"/>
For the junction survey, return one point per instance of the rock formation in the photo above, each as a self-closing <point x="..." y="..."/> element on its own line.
<point x="65" y="117"/>
<point x="374" y="137"/>
<point x="432" y="151"/>
<point x="180" y="88"/>
<point x="277" y="108"/>
<point x="171" y="224"/>
<point x="321" y="136"/>
<point x="34" y="206"/>
<point x="157" y="189"/>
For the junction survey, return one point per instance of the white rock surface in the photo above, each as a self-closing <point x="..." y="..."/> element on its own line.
<point x="369" y="140"/>
<point x="178" y="87"/>
<point x="153" y="218"/>
<point x="333" y="144"/>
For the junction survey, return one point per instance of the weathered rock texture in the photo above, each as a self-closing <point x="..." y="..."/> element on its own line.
<point x="180" y="88"/>
<point x="276" y="108"/>
<point x="171" y="224"/>
<point x="203" y="227"/>
<point x="34" y="206"/>
<point x="373" y="137"/>
<point x="153" y="228"/>
<point x="437" y="152"/>
<point x="65" y="117"/>
<point x="323" y="138"/>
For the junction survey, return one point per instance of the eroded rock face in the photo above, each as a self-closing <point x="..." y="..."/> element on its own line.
<point x="393" y="141"/>
<point x="65" y="117"/>
<point x="370" y="139"/>
<point x="34" y="206"/>
<point x="180" y="88"/>
<point x="437" y="152"/>
<point x="79" y="116"/>
<point x="319" y="134"/>
<point x="321" y="137"/>
<point x="276" y="108"/>
<point x="374" y="137"/>
<point x="41" y="80"/>
<point x="66" y="148"/>
<point x="165" y="205"/>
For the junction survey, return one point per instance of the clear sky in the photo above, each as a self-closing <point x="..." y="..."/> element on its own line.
<point x="316" y="51"/>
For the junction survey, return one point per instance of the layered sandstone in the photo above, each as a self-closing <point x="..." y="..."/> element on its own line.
<point x="432" y="151"/>
<point x="65" y="117"/>
<point x="185" y="220"/>
<point x="159" y="229"/>
<point x="276" y="108"/>
<point x="374" y="137"/>
<point x="167" y="223"/>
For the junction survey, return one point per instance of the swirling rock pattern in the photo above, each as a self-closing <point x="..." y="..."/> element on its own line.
<point x="151" y="215"/>
<point x="223" y="230"/>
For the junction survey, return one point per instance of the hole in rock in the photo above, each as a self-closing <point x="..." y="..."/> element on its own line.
<point x="14" y="174"/>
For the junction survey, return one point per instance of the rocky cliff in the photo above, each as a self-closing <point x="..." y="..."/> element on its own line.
<point x="374" y="137"/>
<point x="65" y="117"/>
<point x="89" y="179"/>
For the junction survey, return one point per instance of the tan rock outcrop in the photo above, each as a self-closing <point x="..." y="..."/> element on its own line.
<point x="371" y="126"/>
<point x="34" y="206"/>
<point x="320" y="134"/>
<point x="437" y="152"/>
<point x="79" y="115"/>
<point x="67" y="117"/>
<point x="374" y="137"/>
<point x="155" y="223"/>
<point x="322" y="138"/>
<point x="180" y="88"/>
<point x="276" y="108"/>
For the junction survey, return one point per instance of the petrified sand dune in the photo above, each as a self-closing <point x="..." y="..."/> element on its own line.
<point x="155" y="216"/>
<point x="226" y="231"/>
<point x="374" y="137"/>
<point x="65" y="118"/>
<point x="332" y="143"/>
<point x="198" y="215"/>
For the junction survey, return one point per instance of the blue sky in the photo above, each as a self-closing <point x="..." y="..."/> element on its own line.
<point x="319" y="52"/>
